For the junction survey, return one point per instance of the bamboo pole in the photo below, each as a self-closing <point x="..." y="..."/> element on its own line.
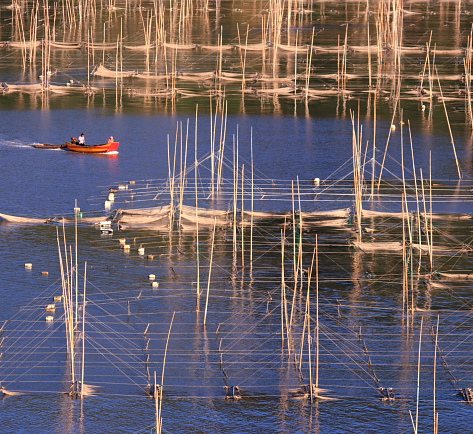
<point x="309" y="335"/>
<point x="252" y="198"/>
<point x="196" y="165"/>
<point x="283" y="285"/>
<point x="370" y="84"/>
<point x="431" y="216"/>
<point x="159" y="425"/>
<point x="435" y="377"/>
<point x="242" y="213"/>
<point x="317" y="323"/>
<point x="235" y="189"/>
<point x="387" y="143"/>
<point x="210" y="271"/>
<point x="449" y="127"/>
<point x="83" y="334"/>
<point x="373" y="165"/>
<point x="309" y="64"/>
<point x="416" y="427"/>
<point x="76" y="211"/>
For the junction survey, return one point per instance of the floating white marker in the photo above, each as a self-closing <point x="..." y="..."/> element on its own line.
<point x="106" y="228"/>
<point x="51" y="308"/>
<point x="108" y="205"/>
<point x="49" y="318"/>
<point x="111" y="197"/>
<point x="28" y="265"/>
<point x="58" y="298"/>
<point x="141" y="251"/>
<point x="123" y="187"/>
<point x="122" y="241"/>
<point x="126" y="247"/>
<point x="152" y="277"/>
<point x="155" y="284"/>
<point x="317" y="181"/>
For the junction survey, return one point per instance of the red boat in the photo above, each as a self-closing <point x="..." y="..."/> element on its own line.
<point x="93" y="149"/>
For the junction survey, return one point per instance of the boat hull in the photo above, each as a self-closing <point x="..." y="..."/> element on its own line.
<point x="93" y="149"/>
<point x="48" y="146"/>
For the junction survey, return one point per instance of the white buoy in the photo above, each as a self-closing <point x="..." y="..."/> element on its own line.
<point x="123" y="187"/>
<point x="132" y="182"/>
<point x="111" y="197"/>
<point x="51" y="308"/>
<point x="126" y="247"/>
<point x="122" y="241"/>
<point x="141" y="251"/>
<point x="28" y="265"/>
<point x="152" y="277"/>
<point x="317" y="181"/>
<point x="155" y="284"/>
<point x="393" y="127"/>
<point x="108" y="205"/>
<point x="58" y="298"/>
<point x="106" y="228"/>
<point x="49" y="318"/>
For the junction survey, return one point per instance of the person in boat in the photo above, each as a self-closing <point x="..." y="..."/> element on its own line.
<point x="82" y="139"/>
<point x="110" y="139"/>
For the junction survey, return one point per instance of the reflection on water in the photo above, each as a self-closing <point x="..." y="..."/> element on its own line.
<point x="277" y="59"/>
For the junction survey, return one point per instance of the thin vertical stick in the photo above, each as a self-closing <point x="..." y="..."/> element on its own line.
<point x="241" y="212"/>
<point x="431" y="219"/>
<point x="283" y="284"/>
<point x="373" y="170"/>
<point x="235" y="190"/>
<point x="157" y="396"/>
<point x="83" y="334"/>
<point x="449" y="127"/>
<point x="387" y="143"/>
<point x="252" y="197"/>
<point x="76" y="211"/>
<point x="160" y="419"/>
<point x="369" y="57"/>
<point x="309" y="335"/>
<point x="294" y="261"/>
<point x="196" y="163"/>
<point x="317" y="324"/>
<point x="416" y="428"/>
<point x="435" y="376"/>
<point x="210" y="271"/>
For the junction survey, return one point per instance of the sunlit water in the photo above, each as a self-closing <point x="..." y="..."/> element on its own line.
<point x="366" y="339"/>
<point x="241" y="344"/>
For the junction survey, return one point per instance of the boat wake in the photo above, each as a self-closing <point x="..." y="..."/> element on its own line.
<point x="14" y="144"/>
